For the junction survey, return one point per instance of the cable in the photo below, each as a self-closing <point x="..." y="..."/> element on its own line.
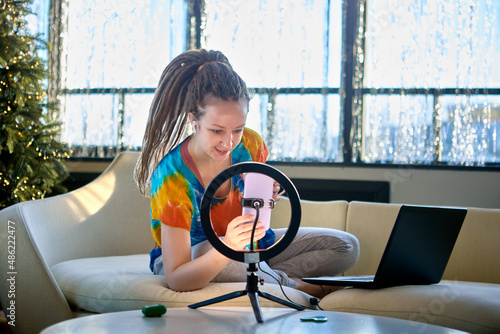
<point x="314" y="301"/>
<point x="325" y="291"/>
<point x="256" y="205"/>
<point x="283" y="291"/>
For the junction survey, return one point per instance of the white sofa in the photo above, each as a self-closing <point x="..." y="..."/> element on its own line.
<point x="87" y="252"/>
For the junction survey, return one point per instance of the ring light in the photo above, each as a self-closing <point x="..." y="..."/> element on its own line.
<point x="251" y="257"/>
<point x="260" y="255"/>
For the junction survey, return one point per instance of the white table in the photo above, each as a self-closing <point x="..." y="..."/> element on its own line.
<point x="235" y="320"/>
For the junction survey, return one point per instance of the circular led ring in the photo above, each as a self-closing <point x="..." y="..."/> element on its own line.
<point x="251" y="167"/>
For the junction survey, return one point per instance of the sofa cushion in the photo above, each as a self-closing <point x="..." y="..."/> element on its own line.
<point x="471" y="307"/>
<point x="119" y="283"/>
<point x="475" y="255"/>
<point x="372" y="224"/>
<point x="329" y="214"/>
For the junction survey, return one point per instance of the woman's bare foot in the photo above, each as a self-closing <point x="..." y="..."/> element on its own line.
<point x="315" y="290"/>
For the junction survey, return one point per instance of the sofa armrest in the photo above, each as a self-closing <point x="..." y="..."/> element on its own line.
<point x="29" y="295"/>
<point x="107" y="217"/>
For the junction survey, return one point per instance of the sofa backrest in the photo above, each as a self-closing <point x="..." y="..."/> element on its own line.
<point x="106" y="217"/>
<point x="372" y="224"/>
<point x="474" y="257"/>
<point x="330" y="214"/>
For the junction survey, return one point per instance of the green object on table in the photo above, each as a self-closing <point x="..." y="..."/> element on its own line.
<point x="318" y="318"/>
<point x="156" y="310"/>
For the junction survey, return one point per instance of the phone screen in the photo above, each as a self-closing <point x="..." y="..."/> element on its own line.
<point x="259" y="186"/>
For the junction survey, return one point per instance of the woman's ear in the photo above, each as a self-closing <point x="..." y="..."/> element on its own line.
<point x="192" y="120"/>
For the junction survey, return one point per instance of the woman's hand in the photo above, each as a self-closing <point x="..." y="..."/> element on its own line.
<point x="276" y="191"/>
<point x="239" y="232"/>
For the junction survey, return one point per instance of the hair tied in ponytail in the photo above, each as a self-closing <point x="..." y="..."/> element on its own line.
<point x="201" y="66"/>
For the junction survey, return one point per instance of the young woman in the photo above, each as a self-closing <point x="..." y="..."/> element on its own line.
<point x="200" y="88"/>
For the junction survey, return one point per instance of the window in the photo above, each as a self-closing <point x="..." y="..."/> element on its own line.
<point x="372" y="81"/>
<point x="430" y="76"/>
<point x="289" y="52"/>
<point x="113" y="54"/>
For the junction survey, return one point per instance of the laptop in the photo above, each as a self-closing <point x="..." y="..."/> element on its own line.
<point x="417" y="252"/>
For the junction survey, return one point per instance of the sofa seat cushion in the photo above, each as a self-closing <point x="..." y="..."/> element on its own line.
<point x="120" y="283"/>
<point x="466" y="306"/>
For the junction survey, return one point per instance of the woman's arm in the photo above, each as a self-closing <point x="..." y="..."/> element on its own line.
<point x="184" y="274"/>
<point x="181" y="273"/>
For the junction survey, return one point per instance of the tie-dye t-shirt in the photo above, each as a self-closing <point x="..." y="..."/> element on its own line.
<point x="176" y="192"/>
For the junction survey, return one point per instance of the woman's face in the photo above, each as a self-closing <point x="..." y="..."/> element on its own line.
<point x="219" y="129"/>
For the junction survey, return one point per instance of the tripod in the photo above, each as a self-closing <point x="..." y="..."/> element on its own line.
<point x="252" y="258"/>
<point x="252" y="290"/>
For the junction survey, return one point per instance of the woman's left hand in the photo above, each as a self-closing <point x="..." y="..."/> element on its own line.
<point x="276" y="191"/>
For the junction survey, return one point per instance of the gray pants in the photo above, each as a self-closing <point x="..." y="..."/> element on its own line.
<point x="313" y="252"/>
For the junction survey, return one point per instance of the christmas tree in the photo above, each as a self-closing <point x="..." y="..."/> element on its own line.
<point x="31" y="157"/>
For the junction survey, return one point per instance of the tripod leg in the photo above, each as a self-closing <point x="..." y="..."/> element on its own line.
<point x="281" y="301"/>
<point x="254" y="300"/>
<point x="219" y="299"/>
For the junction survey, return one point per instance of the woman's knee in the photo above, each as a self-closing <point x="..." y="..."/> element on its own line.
<point x="341" y="249"/>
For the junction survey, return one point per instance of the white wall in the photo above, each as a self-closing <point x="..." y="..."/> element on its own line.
<point x="410" y="185"/>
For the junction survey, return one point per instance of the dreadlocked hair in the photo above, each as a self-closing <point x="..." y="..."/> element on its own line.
<point x="186" y="86"/>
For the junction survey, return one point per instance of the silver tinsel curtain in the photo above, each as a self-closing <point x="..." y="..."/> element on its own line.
<point x="429" y="46"/>
<point x="109" y="57"/>
<point x="435" y="47"/>
<point x="421" y="66"/>
<point x="285" y="44"/>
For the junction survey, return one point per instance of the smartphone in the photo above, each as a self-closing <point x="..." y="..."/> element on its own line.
<point x="261" y="186"/>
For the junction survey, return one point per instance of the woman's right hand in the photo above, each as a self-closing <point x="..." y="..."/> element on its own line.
<point x="239" y="232"/>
